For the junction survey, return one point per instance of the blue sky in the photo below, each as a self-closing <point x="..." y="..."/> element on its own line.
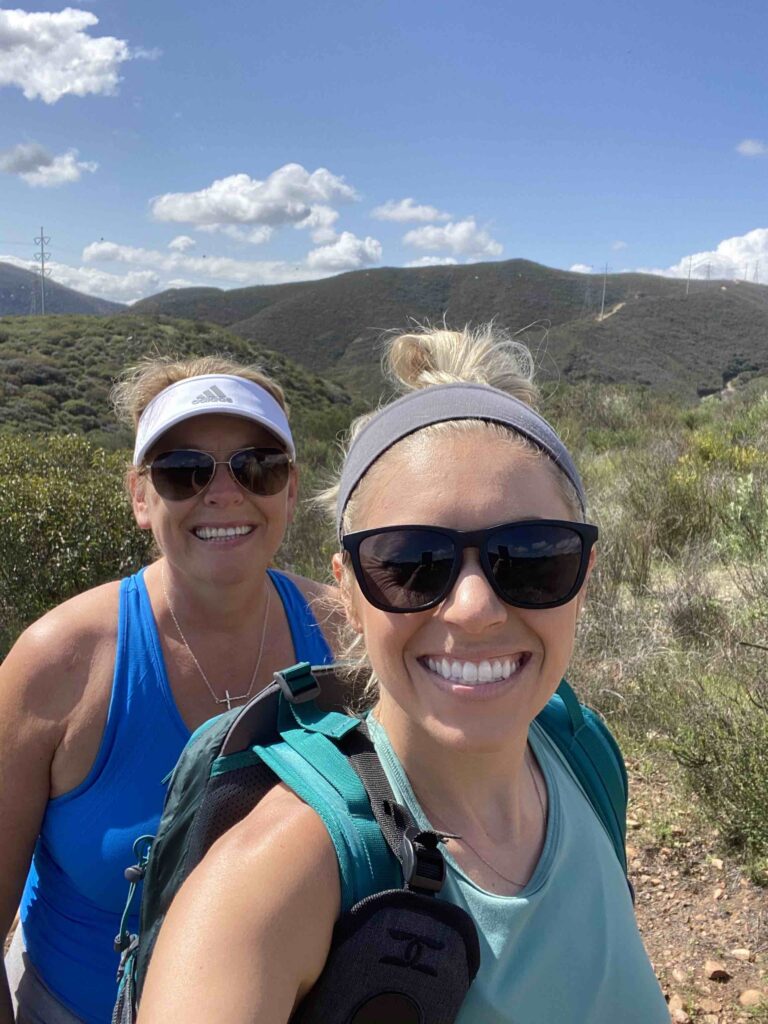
<point x="168" y="144"/>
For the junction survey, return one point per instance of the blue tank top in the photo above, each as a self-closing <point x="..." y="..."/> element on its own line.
<point x="76" y="891"/>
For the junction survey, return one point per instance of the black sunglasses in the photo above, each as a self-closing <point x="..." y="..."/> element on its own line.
<point x="535" y="563"/>
<point x="181" y="474"/>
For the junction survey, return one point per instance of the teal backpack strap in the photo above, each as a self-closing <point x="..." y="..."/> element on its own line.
<point x="308" y="760"/>
<point x="595" y="759"/>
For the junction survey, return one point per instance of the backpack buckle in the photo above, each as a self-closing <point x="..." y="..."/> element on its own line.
<point x="422" y="862"/>
<point x="298" y="683"/>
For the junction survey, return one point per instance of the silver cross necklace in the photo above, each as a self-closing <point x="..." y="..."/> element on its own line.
<point x="228" y="697"/>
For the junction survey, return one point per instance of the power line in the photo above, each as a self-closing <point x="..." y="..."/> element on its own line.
<point x="41" y="257"/>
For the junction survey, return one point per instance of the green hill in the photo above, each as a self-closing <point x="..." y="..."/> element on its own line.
<point x="20" y="296"/>
<point x="56" y="372"/>
<point x="651" y="333"/>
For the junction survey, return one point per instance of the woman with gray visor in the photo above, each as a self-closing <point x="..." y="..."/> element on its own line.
<point x="462" y="568"/>
<point x="98" y="698"/>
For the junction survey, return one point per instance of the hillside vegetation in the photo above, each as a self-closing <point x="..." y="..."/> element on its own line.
<point x="56" y="372"/>
<point x="20" y="296"/>
<point x="651" y="333"/>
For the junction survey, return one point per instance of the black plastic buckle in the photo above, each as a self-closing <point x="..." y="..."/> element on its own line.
<point x="422" y="862"/>
<point x="298" y="683"/>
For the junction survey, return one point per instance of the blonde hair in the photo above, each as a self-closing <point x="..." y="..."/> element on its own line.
<point x="141" y="383"/>
<point x="425" y="358"/>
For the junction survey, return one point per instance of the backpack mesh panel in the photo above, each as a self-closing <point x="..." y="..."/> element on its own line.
<point x="227" y="800"/>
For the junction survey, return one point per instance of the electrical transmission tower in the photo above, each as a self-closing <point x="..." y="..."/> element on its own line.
<point x="41" y="257"/>
<point x="602" y="301"/>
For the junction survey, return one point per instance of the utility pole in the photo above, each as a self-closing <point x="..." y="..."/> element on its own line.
<point x="688" y="282"/>
<point x="756" y="278"/>
<point x="602" y="301"/>
<point x="41" y="257"/>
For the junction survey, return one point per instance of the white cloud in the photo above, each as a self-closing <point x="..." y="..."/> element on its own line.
<point x="205" y="268"/>
<point x="580" y="268"/>
<point x="287" y="196"/>
<point x="462" y="237"/>
<point x="405" y="210"/>
<point x="433" y="261"/>
<point x="37" y="167"/>
<point x="348" y="252"/>
<point x="117" y="288"/>
<point x="738" y="257"/>
<point x="752" y="147"/>
<point x="618" y="245"/>
<point x="182" y="243"/>
<point x="251" y="236"/>
<point x="49" y="54"/>
<point x="320" y="222"/>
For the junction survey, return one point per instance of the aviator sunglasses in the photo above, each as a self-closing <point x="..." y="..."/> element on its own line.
<point x="536" y="563"/>
<point x="185" y="472"/>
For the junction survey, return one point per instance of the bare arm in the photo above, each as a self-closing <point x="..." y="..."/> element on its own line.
<point x="249" y="932"/>
<point x="28" y="740"/>
<point x="42" y="682"/>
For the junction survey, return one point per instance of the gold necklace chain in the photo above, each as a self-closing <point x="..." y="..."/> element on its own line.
<point x="480" y="857"/>
<point x="228" y="697"/>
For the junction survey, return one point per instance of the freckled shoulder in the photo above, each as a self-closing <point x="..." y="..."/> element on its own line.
<point x="324" y="602"/>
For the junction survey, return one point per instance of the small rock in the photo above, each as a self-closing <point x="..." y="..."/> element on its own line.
<point x="710" y="1006"/>
<point x="675" y="1002"/>
<point x="679" y="975"/>
<point x="680" y="1017"/>
<point x="741" y="953"/>
<point x="633" y="823"/>
<point x="716" y="971"/>
<point x="716" y="863"/>
<point x="751" y="997"/>
<point x="717" y="894"/>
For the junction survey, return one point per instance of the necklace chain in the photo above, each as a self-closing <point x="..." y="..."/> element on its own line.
<point x="228" y="697"/>
<point x="512" y="881"/>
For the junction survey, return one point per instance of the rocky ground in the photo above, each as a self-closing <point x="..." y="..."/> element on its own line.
<point x="704" y="921"/>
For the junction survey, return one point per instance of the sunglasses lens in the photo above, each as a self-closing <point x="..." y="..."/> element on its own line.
<point x="262" y="471"/>
<point x="407" y="569"/>
<point x="181" y="474"/>
<point x="535" y="565"/>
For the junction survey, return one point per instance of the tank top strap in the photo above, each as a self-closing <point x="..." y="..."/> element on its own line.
<point x="139" y="652"/>
<point x="309" y="644"/>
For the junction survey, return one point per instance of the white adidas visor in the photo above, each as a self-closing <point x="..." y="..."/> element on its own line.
<point x="212" y="392"/>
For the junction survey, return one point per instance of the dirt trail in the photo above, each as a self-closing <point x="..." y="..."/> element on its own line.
<point x="698" y="913"/>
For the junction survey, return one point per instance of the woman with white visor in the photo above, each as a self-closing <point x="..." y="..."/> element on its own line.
<point x="98" y="698"/>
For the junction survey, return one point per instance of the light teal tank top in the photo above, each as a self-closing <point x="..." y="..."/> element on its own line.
<point x="566" y="949"/>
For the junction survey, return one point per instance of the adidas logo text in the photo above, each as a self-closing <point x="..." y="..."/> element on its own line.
<point x="212" y="394"/>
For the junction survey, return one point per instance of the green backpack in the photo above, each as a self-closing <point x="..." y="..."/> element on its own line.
<point x="296" y="731"/>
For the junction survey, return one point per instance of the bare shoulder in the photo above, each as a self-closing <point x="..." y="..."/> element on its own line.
<point x="324" y="602"/>
<point x="283" y="834"/>
<point x="71" y="641"/>
<point x="249" y="932"/>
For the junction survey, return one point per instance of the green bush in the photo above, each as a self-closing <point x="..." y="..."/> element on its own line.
<point x="67" y="525"/>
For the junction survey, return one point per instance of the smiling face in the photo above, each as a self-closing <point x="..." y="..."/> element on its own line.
<point x="510" y="660"/>
<point x="225" y="533"/>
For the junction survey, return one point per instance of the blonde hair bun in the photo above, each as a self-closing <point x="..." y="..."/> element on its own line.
<point x="486" y="354"/>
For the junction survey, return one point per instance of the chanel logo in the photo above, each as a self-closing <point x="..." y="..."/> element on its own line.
<point x="414" y="951"/>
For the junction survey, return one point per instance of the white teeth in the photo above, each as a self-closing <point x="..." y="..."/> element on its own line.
<point x="221" y="532"/>
<point x="470" y="673"/>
